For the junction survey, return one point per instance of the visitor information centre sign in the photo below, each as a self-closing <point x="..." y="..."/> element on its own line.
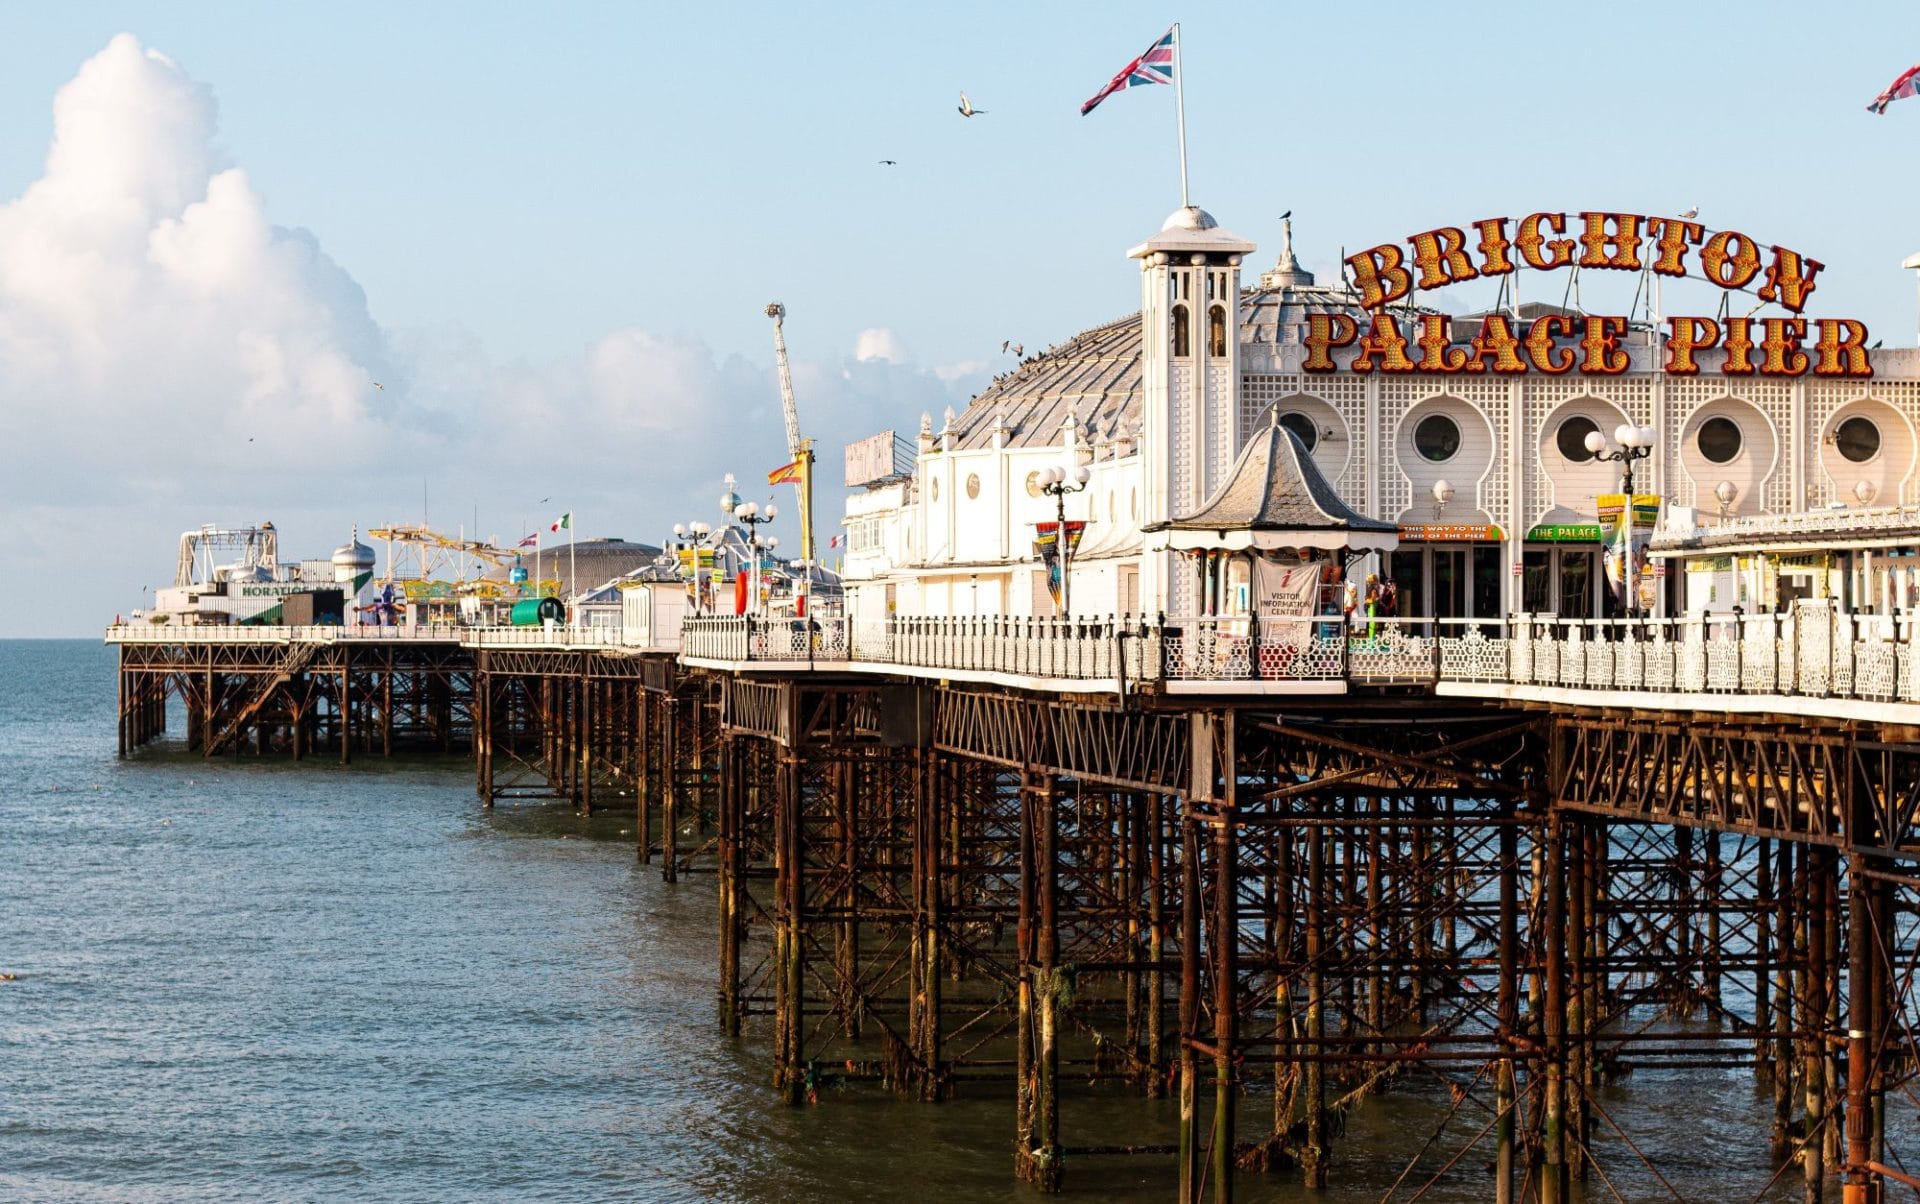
<point x="1589" y="344"/>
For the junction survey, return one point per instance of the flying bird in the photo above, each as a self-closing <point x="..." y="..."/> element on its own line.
<point x="1008" y="345"/>
<point x="1690" y="214"/>
<point x="889" y="162"/>
<point x="378" y="385"/>
<point x="966" y="107"/>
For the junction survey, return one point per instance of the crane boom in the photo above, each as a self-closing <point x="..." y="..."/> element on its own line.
<point x="800" y="449"/>
<point x="777" y="311"/>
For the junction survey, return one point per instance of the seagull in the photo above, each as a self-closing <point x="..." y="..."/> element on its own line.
<point x="378" y="385"/>
<point x="1690" y="214"/>
<point x="1286" y="215"/>
<point x="889" y="162"/>
<point x="1008" y="345"/>
<point x="1876" y="345"/>
<point x="966" y="107"/>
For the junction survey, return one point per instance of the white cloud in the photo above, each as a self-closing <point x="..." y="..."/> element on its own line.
<point x="170" y="357"/>
<point x="879" y="343"/>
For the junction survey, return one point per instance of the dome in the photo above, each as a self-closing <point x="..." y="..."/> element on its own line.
<point x="353" y="554"/>
<point x="1190" y="217"/>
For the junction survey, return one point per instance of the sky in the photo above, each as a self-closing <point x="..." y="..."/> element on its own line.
<point x="549" y="232"/>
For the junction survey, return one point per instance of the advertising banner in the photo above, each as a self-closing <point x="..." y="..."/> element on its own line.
<point x="1046" y="548"/>
<point x="1625" y="534"/>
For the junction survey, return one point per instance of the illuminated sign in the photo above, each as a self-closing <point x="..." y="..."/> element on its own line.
<point x="1564" y="533"/>
<point x="1555" y="344"/>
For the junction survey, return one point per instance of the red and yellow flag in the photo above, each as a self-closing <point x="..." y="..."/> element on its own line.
<point x="788" y="474"/>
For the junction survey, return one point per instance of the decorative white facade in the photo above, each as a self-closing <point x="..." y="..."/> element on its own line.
<point x="1486" y="475"/>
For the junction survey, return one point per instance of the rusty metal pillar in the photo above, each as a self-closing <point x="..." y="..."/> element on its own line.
<point x="1507" y="1005"/>
<point x="1226" y="962"/>
<point x="1553" y="1138"/>
<point x="671" y="738"/>
<point x="732" y="794"/>
<point x="1040" y="984"/>
<point x="1190" y="1162"/>
<point x="1315" y="1154"/>
<point x="1783" y="1009"/>
<point x="645" y="759"/>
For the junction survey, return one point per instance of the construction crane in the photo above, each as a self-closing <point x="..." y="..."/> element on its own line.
<point x="800" y="449"/>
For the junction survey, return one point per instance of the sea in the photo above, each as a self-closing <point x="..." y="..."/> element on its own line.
<point x="254" y="980"/>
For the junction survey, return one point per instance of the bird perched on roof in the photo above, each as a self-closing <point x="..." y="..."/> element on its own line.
<point x="966" y="107"/>
<point x="1286" y="215"/>
<point x="1690" y="214"/>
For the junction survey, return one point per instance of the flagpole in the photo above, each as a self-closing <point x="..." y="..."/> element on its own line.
<point x="1180" y="112"/>
<point x="573" y="580"/>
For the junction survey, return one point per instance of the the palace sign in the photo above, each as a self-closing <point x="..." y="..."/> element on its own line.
<point x="1590" y="344"/>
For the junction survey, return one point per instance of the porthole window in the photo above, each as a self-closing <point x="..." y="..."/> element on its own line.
<point x="1571" y="438"/>
<point x="973" y="484"/>
<point x="1719" y="439"/>
<point x="1858" y="439"/>
<point x="1302" y="426"/>
<point x="1437" y="438"/>
<point x="1033" y="484"/>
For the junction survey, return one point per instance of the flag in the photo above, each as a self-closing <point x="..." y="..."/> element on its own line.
<point x="786" y="474"/>
<point x="1906" y="84"/>
<point x="836" y="541"/>
<point x="1153" y="67"/>
<point x="563" y="523"/>
<point x="531" y="541"/>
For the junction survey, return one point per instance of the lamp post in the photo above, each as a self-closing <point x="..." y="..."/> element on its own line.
<point x="752" y="517"/>
<point x="689" y="537"/>
<point x="1054" y="483"/>
<point x="1636" y="443"/>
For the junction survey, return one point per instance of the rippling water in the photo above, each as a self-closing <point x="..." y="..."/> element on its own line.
<point x="254" y="981"/>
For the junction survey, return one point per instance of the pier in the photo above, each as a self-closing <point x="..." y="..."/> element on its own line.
<point x="1511" y="862"/>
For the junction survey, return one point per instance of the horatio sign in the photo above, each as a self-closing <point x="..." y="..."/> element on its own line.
<point x="1591" y="344"/>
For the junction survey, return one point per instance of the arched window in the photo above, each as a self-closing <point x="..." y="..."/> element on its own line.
<point x="1182" y="342"/>
<point x="1217" y="331"/>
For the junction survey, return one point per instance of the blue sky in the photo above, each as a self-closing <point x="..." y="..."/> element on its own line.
<point x="555" y="227"/>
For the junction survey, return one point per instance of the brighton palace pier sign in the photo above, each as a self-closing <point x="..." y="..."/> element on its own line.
<point x="1560" y="343"/>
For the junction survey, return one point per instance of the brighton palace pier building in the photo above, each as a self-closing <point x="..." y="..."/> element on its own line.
<point x="1235" y="431"/>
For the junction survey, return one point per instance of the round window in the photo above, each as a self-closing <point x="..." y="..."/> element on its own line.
<point x="1033" y="484"/>
<point x="934" y="487"/>
<point x="1858" y="439"/>
<point x="1719" y="439"/>
<point x="1437" y="437"/>
<point x="1302" y="426"/>
<point x="1571" y="438"/>
<point x="973" y="484"/>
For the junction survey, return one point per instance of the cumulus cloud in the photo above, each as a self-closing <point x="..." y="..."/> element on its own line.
<point x="879" y="343"/>
<point x="169" y="356"/>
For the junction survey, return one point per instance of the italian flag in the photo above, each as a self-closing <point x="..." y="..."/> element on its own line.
<point x="563" y="523"/>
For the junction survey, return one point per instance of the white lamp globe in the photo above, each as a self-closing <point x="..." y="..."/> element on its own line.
<point x="1442" y="491"/>
<point x="1596" y="442"/>
<point x="1626" y="435"/>
<point x="1082" y="474"/>
<point x="773" y="511"/>
<point x="1646" y="436"/>
<point x="679" y="530"/>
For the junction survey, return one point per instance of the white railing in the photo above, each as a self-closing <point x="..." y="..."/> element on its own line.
<point x="245" y="633"/>
<point x="1815" y="650"/>
<point x="547" y="637"/>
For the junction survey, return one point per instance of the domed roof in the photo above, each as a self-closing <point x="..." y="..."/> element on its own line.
<point x="1190" y="217"/>
<point x="353" y="554"/>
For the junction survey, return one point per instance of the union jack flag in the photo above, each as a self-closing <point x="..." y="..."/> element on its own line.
<point x="1153" y="67"/>
<point x="1906" y="84"/>
<point x="531" y="541"/>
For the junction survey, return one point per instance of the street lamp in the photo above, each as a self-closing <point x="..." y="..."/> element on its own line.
<point x="1442" y="494"/>
<point x="751" y="516"/>
<point x="1636" y="443"/>
<point x="689" y="537"/>
<point x="1054" y="483"/>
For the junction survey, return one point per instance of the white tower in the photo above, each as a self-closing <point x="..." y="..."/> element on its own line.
<point x="1190" y="363"/>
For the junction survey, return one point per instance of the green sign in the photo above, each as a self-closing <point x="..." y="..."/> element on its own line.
<point x="1564" y="533"/>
